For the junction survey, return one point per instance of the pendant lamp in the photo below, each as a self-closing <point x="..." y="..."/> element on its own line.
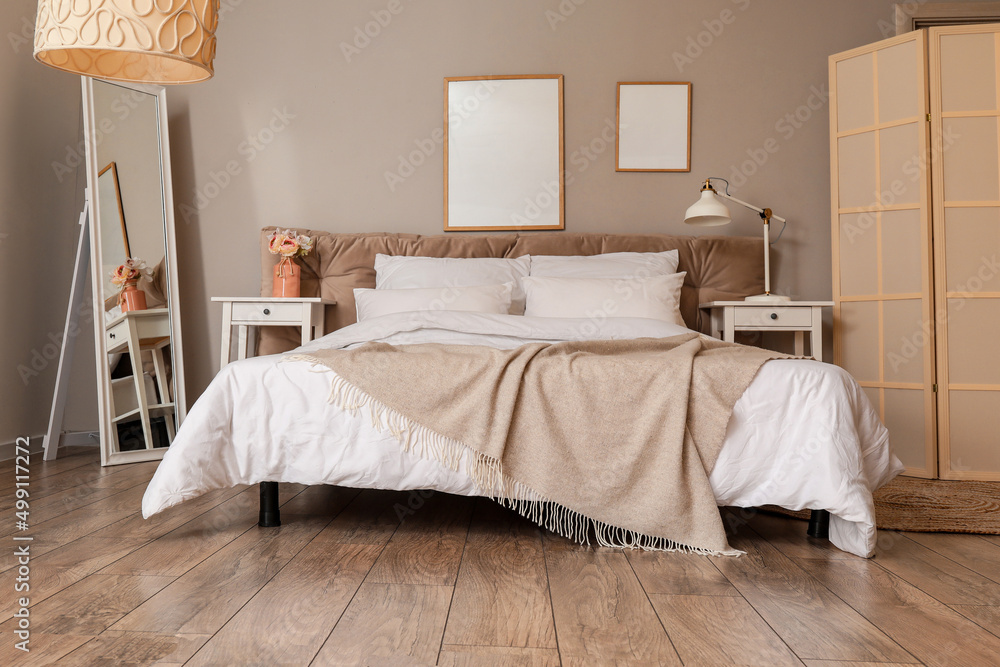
<point x="141" y="41"/>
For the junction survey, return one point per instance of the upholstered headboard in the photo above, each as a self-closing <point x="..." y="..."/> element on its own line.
<point x="718" y="267"/>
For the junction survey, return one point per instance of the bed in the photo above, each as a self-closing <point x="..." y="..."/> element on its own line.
<point x="801" y="436"/>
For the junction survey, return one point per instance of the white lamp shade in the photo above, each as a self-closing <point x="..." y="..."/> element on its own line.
<point x="707" y="211"/>
<point x="142" y="41"/>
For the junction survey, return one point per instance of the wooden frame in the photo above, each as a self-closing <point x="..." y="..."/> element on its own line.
<point x="647" y="136"/>
<point x="913" y="15"/>
<point x="113" y="168"/>
<point x="929" y="470"/>
<point x="104" y="399"/>
<point x="504" y="163"/>
<point x="940" y="204"/>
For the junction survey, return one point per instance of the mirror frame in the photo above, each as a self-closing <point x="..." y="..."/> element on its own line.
<point x="92" y="140"/>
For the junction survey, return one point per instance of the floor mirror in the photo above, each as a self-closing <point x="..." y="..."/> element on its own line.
<point x="140" y="370"/>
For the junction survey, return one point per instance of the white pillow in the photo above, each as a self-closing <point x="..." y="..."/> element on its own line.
<point x="656" y="298"/>
<point x="607" y="265"/>
<point x="476" y="299"/>
<point x="396" y="272"/>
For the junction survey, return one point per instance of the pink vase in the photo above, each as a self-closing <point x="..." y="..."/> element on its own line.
<point x="132" y="298"/>
<point x="287" y="279"/>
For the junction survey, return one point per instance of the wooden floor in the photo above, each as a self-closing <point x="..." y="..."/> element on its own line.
<point x="398" y="578"/>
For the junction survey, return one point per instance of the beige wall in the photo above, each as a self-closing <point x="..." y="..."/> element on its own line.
<point x="39" y="208"/>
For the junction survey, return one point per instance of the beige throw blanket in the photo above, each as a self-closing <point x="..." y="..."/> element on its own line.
<point x="612" y="438"/>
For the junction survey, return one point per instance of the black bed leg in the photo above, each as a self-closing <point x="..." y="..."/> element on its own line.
<point x="270" y="516"/>
<point x="819" y="524"/>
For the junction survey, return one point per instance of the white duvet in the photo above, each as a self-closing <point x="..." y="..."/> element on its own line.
<point x="803" y="435"/>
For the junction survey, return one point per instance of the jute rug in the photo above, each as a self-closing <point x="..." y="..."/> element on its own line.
<point x="933" y="505"/>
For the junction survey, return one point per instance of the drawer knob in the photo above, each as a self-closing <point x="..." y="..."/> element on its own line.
<point x="111" y="335"/>
<point x="774" y="316"/>
<point x="267" y="311"/>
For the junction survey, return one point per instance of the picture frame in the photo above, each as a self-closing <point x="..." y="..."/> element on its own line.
<point x="504" y="153"/>
<point x="653" y="126"/>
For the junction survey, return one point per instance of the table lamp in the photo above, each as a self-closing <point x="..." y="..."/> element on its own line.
<point x="708" y="211"/>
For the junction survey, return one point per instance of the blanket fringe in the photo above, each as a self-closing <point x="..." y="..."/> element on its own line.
<point x="488" y="475"/>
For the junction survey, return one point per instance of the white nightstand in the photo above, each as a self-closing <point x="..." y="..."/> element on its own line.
<point x="260" y="311"/>
<point x="728" y="317"/>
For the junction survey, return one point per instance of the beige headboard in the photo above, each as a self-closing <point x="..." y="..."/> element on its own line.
<point x="718" y="267"/>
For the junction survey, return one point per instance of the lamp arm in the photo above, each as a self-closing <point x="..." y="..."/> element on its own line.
<point x="749" y="206"/>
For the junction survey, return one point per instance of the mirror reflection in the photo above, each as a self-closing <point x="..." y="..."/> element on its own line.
<point x="130" y="225"/>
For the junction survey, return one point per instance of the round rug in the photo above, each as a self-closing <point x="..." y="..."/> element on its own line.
<point x="933" y="506"/>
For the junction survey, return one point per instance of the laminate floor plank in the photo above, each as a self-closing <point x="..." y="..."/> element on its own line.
<point x="501" y="595"/>
<point x="497" y="656"/>
<point x="427" y="546"/>
<point x="77" y="498"/>
<point x="320" y="500"/>
<point x="972" y="551"/>
<point x="184" y="547"/>
<point x="840" y="663"/>
<point x="65" y="528"/>
<point x="44" y="649"/>
<point x="169" y="519"/>
<point x="601" y="609"/>
<point x="720" y="630"/>
<point x="389" y="624"/>
<point x="63" y="567"/>
<point x="136" y="648"/>
<point x="312" y="592"/>
<point x="203" y="599"/>
<point x="678" y="573"/>
<point x="200" y="584"/>
<point x="928" y="570"/>
<point x="928" y="629"/>
<point x="985" y="616"/>
<point x="788" y="536"/>
<point x="92" y="605"/>
<point x="39" y="469"/>
<point x="73" y="486"/>
<point x="809" y="618"/>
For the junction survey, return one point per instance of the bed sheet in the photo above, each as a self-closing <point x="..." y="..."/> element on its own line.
<point x="803" y="435"/>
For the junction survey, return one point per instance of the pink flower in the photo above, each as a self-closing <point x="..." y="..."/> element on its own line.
<point x="289" y="243"/>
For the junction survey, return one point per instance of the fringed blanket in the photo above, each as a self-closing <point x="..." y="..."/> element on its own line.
<point x="610" y="438"/>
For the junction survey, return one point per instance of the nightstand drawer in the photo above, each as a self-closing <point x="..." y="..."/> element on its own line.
<point x="116" y="335"/>
<point x="261" y="313"/>
<point x="772" y="316"/>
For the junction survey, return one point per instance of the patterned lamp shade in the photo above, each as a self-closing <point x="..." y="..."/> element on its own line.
<point x="143" y="41"/>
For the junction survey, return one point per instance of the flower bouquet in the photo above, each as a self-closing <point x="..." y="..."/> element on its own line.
<point x="287" y="273"/>
<point x="127" y="278"/>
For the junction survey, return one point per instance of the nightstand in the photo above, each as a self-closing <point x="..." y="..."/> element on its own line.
<point x="799" y="317"/>
<point x="135" y="332"/>
<point x="260" y="311"/>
